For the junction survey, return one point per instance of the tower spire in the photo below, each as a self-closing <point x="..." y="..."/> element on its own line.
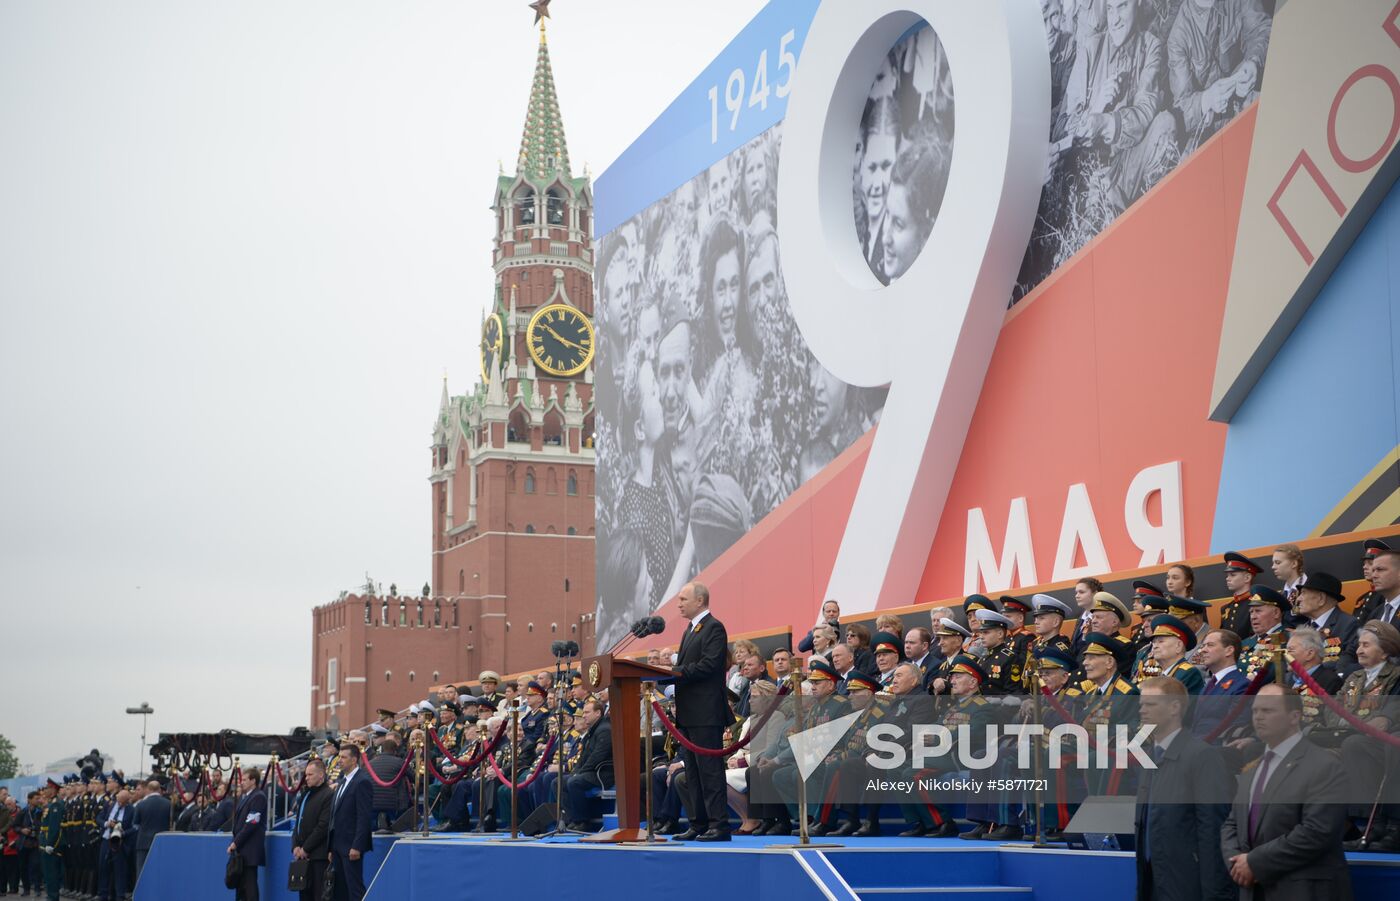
<point x="543" y="150"/>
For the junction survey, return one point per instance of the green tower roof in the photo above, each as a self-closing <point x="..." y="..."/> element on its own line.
<point x="542" y="146"/>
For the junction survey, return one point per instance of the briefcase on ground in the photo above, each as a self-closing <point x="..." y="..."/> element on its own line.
<point x="233" y="872"/>
<point x="297" y="871"/>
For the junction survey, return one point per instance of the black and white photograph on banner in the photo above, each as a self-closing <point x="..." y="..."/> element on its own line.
<point x="904" y="148"/>
<point x="1136" y="87"/>
<point x="711" y="408"/>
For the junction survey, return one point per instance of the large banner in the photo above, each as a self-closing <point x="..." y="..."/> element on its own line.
<point x="729" y="451"/>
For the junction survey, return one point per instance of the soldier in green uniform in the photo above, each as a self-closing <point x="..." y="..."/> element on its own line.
<point x="1267" y="610"/>
<point x="1172" y="639"/>
<point x="1108" y="616"/>
<point x="1059" y="801"/>
<point x="823" y="706"/>
<point x="1004" y="664"/>
<point x="51" y="840"/>
<point x="846" y="766"/>
<point x="1104" y="691"/>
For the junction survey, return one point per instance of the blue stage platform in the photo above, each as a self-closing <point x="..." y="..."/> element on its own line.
<point x="190" y="868"/>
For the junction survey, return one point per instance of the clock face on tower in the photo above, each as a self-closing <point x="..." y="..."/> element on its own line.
<point x="490" y="347"/>
<point x="560" y="340"/>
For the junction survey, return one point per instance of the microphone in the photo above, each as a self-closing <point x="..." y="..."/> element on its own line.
<point x="571" y="649"/>
<point x="647" y="625"/>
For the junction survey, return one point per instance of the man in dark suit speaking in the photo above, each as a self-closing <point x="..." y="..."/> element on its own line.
<point x="352" y="815"/>
<point x="702" y="712"/>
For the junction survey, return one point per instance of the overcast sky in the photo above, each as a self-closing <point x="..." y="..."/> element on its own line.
<point x="240" y="243"/>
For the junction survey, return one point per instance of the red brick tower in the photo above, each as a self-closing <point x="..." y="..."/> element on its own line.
<point x="511" y="464"/>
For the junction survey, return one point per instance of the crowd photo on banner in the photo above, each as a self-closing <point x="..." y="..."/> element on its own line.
<point x="712" y="410"/>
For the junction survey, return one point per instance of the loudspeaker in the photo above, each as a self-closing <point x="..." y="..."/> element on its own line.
<point x="539" y="821"/>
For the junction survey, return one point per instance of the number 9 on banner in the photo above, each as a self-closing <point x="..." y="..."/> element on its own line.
<point x="950" y="302"/>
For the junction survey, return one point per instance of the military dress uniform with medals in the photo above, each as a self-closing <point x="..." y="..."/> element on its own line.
<point x="848" y="771"/>
<point x="1182" y="671"/>
<point x="1258" y="651"/>
<point x="1144" y="665"/>
<point x="1004" y="665"/>
<point x="815" y="713"/>
<point x="1064" y="785"/>
<point x="1108" y="706"/>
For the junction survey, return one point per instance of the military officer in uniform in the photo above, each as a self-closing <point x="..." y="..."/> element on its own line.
<point x="1108" y="616"/>
<point x="846" y="764"/>
<point x="1021" y="635"/>
<point x="1055" y="666"/>
<point x="1003" y="664"/>
<point x="826" y="705"/>
<point x="536" y="713"/>
<point x="951" y="638"/>
<point x="1049" y="616"/>
<point x="888" y="650"/>
<point x="1267" y="609"/>
<point x="1143" y="592"/>
<point x="1144" y="664"/>
<point x="490" y="680"/>
<point x="1171" y="640"/>
<point x="1369" y="604"/>
<point x="1104" y="703"/>
<point x="51" y="840"/>
<point x="1240" y="573"/>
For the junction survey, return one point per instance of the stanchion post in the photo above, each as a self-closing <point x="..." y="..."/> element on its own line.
<point x="1038" y="795"/>
<point x="650" y="697"/>
<point x="423" y="779"/>
<point x="481" y="784"/>
<point x="272" y="793"/>
<point x="179" y="795"/>
<point x="514" y="768"/>
<point x="804" y="835"/>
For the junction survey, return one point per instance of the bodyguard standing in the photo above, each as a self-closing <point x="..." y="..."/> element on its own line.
<point x="352" y="825"/>
<point x="1180" y="805"/>
<point x="152" y="818"/>
<point x="312" y="832"/>
<point x="249" y="830"/>
<point x="702" y="712"/>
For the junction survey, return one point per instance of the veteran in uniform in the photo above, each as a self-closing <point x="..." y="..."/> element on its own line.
<point x="1004" y="665"/>
<point x="1369" y="694"/>
<point x="1171" y="640"/>
<point x="951" y="638"/>
<point x="1104" y="691"/>
<point x="1267" y="610"/>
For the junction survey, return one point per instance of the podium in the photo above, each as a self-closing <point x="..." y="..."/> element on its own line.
<point x="623" y="680"/>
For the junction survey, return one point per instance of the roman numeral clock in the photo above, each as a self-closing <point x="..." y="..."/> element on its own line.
<point x="560" y="340"/>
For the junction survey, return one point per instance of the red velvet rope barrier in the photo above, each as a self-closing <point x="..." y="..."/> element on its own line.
<point x="739" y="745"/>
<point x="1251" y="689"/>
<point x="1336" y="707"/>
<point x="282" y="782"/>
<point x="374" y="777"/>
<point x="470" y="762"/>
<point x="539" y="767"/>
<point x="209" y="787"/>
<point x="445" y="780"/>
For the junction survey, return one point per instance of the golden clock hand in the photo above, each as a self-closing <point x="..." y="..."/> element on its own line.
<point x="562" y="339"/>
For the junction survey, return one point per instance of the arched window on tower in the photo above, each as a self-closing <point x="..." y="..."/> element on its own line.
<point x="403" y="613"/>
<point x="420" y="613"/>
<point x="461" y="581"/>
<point x="571" y="484"/>
<point x="525" y="207"/>
<point x="455" y="621"/>
<point x="384" y="612"/>
<point x="369" y="612"/>
<point x="437" y="613"/>
<point x="529" y="529"/>
<point x="554" y="207"/>
<point x="529" y="481"/>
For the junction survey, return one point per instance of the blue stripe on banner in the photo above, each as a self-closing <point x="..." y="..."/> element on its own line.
<point x="694" y="131"/>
